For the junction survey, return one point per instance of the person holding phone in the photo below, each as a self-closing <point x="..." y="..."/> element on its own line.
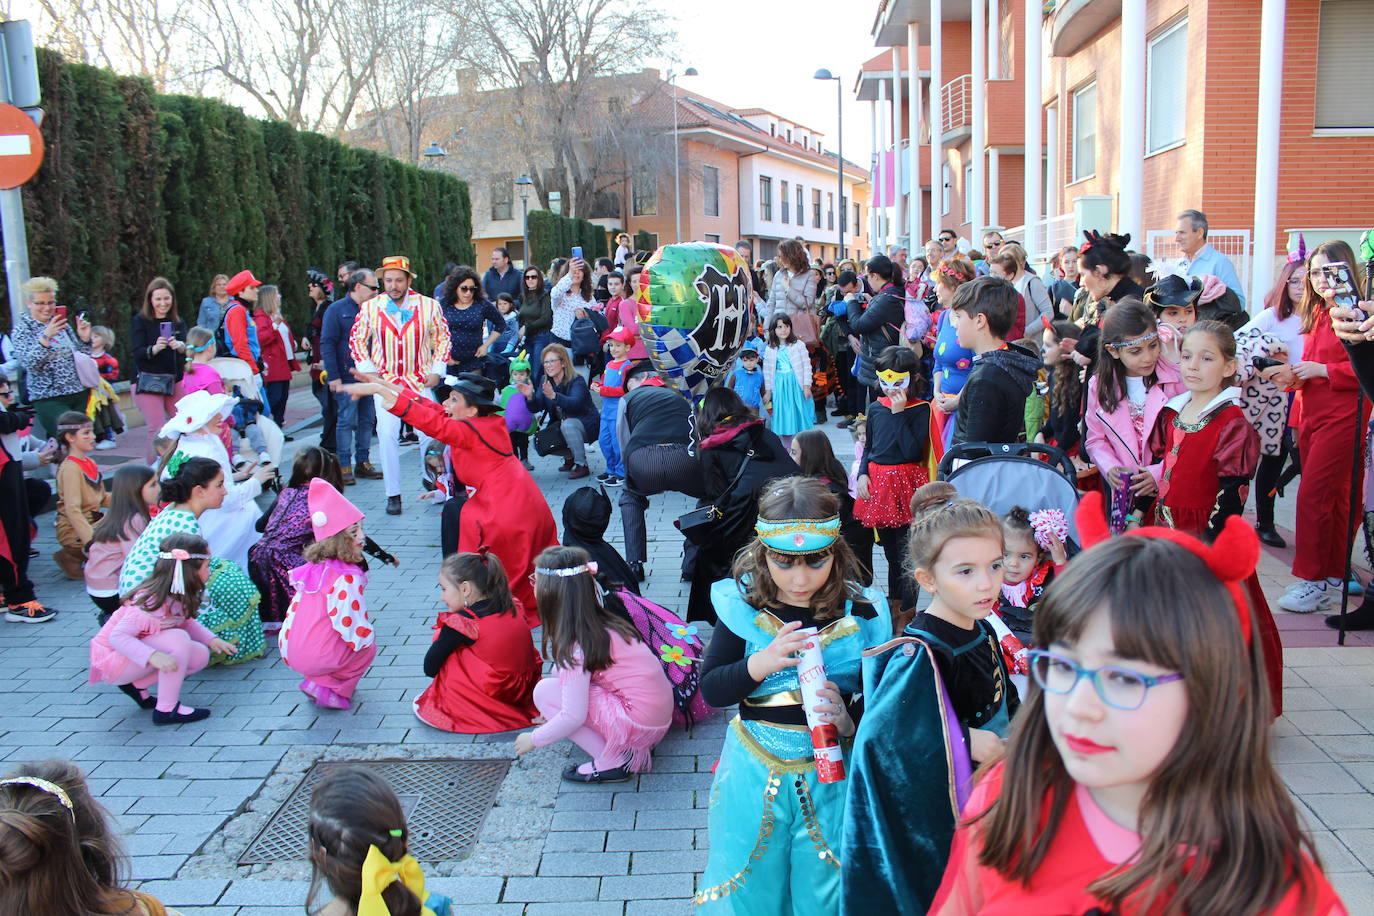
<point x="157" y="339"/>
<point x="571" y="298"/>
<point x="45" y="341"/>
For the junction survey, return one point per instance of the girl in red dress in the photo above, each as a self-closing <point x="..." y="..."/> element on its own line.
<point x="1138" y="781"/>
<point x="482" y="659"/>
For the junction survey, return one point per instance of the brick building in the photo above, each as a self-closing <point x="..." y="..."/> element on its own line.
<point x="1138" y="109"/>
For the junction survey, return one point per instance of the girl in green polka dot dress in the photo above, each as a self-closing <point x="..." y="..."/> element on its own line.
<point x="231" y="607"/>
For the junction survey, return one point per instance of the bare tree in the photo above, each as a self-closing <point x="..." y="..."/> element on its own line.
<point x="411" y="81"/>
<point x="125" y="35"/>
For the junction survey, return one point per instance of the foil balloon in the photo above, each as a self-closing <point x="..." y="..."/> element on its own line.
<point x="694" y="312"/>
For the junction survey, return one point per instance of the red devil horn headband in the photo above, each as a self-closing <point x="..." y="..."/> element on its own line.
<point x="1232" y="558"/>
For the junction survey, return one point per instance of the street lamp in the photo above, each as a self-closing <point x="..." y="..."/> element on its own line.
<point x="824" y="74"/>
<point x="435" y="152"/>
<point x="677" y="180"/>
<point x="524" y="183"/>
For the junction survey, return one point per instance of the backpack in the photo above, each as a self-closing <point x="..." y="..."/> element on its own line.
<point x="586" y="334"/>
<point x="663" y="632"/>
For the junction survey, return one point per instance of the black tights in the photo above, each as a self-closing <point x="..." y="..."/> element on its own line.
<point x="893" y="540"/>
<point x="1269" y="477"/>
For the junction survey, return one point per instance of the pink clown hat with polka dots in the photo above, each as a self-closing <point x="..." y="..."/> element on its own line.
<point x="330" y="510"/>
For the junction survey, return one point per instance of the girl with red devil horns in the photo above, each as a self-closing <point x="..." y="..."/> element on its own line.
<point x="1138" y="780"/>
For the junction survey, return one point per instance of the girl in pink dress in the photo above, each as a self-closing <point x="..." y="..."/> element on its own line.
<point x="154" y="637"/>
<point x="609" y="694"/>
<point x="327" y="636"/>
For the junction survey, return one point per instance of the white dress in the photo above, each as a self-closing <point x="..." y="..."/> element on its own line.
<point x="231" y="529"/>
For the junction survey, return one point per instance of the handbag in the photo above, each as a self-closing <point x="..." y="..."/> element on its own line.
<point x="807" y="328"/>
<point x="550" y="441"/>
<point x="156" y="383"/>
<point x="723" y="516"/>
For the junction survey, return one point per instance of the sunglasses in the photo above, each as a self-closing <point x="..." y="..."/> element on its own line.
<point x="468" y="288"/>
<point x="531" y="276"/>
<point x="370" y="286"/>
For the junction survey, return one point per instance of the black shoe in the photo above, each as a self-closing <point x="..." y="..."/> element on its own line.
<point x="142" y="701"/>
<point x="844" y="422"/>
<point x="1268" y="535"/>
<point x="619" y="774"/>
<point x="637" y="568"/>
<point x="289" y="438"/>
<point x="1361" y="618"/>
<point x="176" y="718"/>
<point x="393" y="505"/>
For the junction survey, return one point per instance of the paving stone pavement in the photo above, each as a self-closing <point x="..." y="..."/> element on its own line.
<point x="633" y="848"/>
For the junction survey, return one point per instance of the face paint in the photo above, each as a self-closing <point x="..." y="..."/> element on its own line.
<point x="894" y="381"/>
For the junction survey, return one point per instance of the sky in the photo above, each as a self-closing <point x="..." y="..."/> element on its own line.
<point x="768" y="54"/>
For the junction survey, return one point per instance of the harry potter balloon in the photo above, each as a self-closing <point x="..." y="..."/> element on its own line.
<point x="694" y="312"/>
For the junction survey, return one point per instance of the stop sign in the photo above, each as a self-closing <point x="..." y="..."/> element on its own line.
<point x="21" y="147"/>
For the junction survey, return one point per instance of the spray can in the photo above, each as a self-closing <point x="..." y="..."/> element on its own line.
<point x="825" y="736"/>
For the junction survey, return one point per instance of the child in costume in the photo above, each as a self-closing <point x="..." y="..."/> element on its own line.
<point x="482" y="659"/>
<point x="108" y="419"/>
<point x="609" y="695"/>
<point x="201" y="376"/>
<point x="1035" y="552"/>
<point x="747" y="379"/>
<point x="154" y="637"/>
<point x="519" y="421"/>
<point x="787" y="381"/>
<point x="286" y="531"/>
<point x="815" y="456"/>
<point x="1141" y="779"/>
<point x="81" y="493"/>
<point x="896" y="461"/>
<point x="357" y="849"/>
<point x="774" y="827"/>
<point x="190" y="488"/>
<point x="232" y="528"/>
<point x="133" y="489"/>
<point x="327" y="635"/>
<point x="61" y="852"/>
<point x="611" y="388"/>
<point x="936" y="700"/>
<point x="1208" y="451"/>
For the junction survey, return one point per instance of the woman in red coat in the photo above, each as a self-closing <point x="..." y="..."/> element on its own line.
<point x="278" y="357"/>
<point x="506" y="512"/>
<point x="1329" y="437"/>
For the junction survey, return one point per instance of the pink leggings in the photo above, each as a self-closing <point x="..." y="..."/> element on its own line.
<point x="157" y="409"/>
<point x="189" y="655"/>
<point x="548" y="697"/>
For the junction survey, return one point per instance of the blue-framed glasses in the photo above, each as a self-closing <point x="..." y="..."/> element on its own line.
<point x="1119" y="688"/>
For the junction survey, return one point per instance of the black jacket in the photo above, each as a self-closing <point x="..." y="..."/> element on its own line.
<point x="992" y="404"/>
<point x="586" y="516"/>
<point x="143" y="334"/>
<point x="879" y="327"/>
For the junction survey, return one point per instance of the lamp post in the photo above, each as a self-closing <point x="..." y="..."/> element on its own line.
<point x="524" y="183"/>
<point x="434" y="153"/>
<point x="677" y="179"/>
<point x="824" y="74"/>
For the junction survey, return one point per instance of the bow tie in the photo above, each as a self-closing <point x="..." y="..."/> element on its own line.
<point x="397" y="312"/>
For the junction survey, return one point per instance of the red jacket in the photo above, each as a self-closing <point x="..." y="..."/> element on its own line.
<point x="279" y="363"/>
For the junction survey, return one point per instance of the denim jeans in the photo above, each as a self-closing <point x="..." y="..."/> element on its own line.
<point x="353" y="429"/>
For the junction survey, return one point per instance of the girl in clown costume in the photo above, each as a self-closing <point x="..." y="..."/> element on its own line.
<point x="774" y="828"/>
<point x="327" y="635"/>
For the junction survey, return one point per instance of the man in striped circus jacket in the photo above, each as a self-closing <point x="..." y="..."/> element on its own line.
<point x="402" y="337"/>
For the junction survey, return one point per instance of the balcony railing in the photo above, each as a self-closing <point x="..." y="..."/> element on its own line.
<point x="956" y="104"/>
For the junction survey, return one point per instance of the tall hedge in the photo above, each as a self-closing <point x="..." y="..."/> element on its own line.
<point x="137" y="184"/>
<point x="553" y="236"/>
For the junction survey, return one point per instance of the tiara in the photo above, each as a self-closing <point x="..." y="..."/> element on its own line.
<point x="51" y="788"/>
<point x="798" y="535"/>
<point x="1134" y="341"/>
<point x="564" y="572"/>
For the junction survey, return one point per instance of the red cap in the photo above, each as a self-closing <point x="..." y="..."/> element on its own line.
<point x="622" y="334"/>
<point x="241" y="281"/>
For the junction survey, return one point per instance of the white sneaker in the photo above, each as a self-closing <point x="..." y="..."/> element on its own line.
<point x="104" y="444"/>
<point x="1304" y="597"/>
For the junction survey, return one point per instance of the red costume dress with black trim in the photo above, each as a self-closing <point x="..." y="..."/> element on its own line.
<point x="505" y="511"/>
<point x="486" y="683"/>
<point x="1087" y="846"/>
<point x="1206" y="467"/>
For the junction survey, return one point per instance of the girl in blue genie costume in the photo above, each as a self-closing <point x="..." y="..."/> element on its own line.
<point x="774" y="828"/>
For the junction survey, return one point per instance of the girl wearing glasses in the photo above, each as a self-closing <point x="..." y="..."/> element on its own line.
<point x="1139" y="780"/>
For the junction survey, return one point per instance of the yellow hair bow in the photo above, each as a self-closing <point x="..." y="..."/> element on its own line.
<point x="379" y="872"/>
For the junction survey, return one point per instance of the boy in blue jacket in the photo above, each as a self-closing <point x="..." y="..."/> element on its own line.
<point x="612" y="389"/>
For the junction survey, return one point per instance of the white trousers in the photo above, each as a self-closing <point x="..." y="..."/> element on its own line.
<point x="389" y="445"/>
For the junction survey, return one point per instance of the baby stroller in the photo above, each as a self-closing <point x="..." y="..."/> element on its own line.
<point x="250" y="419"/>
<point x="1001" y="476"/>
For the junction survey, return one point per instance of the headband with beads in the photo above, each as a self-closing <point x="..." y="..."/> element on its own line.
<point x="180" y="556"/>
<point x="44" y="785"/>
<point x="566" y="572"/>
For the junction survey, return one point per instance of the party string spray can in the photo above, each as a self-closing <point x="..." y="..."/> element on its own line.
<point x="825" y="737"/>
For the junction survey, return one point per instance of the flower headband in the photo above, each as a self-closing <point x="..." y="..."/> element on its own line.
<point x="180" y="556"/>
<point x="51" y="788"/>
<point x="798" y="535"/>
<point x="588" y="567"/>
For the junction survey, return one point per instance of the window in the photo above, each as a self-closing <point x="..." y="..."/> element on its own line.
<point x="801" y="207"/>
<point x="815" y="208"/>
<point x="710" y="184"/>
<point x="844" y="214"/>
<point x="713" y="239"/>
<point x="1166" y="88"/>
<point x="645" y="193"/>
<point x="829" y="211"/>
<point x="1345" y="68"/>
<point x="785" y="203"/>
<point x="858" y="225"/>
<point x="766" y="199"/>
<point x="968" y="193"/>
<point x="1084" y="139"/>
<point x="516" y="249"/>
<point x="502" y="195"/>
<point x="945" y="180"/>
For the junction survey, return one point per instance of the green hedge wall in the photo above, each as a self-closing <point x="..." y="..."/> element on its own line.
<point x="137" y="184"/>
<point x="553" y="236"/>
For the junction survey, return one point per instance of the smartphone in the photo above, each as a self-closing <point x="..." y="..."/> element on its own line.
<point x="1339" y="278"/>
<point x="165" y="329"/>
<point x="577" y="252"/>
<point x="59" y="311"/>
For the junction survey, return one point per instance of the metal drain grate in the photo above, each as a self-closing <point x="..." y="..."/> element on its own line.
<point x="445" y="804"/>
